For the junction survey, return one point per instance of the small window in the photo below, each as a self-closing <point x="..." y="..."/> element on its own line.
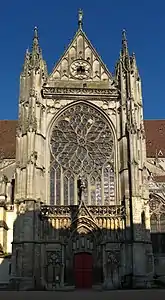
<point x="143" y="218"/>
<point x="12" y="190"/>
<point x="154" y="223"/>
<point x="9" y="268"/>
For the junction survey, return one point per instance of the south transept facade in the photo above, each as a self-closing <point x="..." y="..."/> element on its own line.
<point x="82" y="176"/>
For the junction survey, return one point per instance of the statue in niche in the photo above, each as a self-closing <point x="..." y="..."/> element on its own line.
<point x="112" y="278"/>
<point x="54" y="268"/>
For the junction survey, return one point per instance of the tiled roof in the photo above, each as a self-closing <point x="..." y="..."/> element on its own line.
<point x="159" y="178"/>
<point x="155" y="138"/>
<point x="7" y="138"/>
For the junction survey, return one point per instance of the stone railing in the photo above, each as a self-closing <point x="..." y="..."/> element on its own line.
<point x="114" y="211"/>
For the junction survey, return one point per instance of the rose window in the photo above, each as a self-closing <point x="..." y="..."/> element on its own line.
<point x="82" y="146"/>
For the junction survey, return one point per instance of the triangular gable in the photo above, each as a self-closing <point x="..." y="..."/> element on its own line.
<point x="83" y="212"/>
<point x="80" y="54"/>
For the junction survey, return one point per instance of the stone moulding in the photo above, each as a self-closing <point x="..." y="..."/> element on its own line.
<point x="6" y="163"/>
<point x="157" y="207"/>
<point x="50" y="92"/>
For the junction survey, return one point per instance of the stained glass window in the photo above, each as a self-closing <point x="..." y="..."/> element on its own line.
<point x="82" y="146"/>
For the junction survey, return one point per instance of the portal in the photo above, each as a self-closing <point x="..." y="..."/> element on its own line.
<point x="83" y="265"/>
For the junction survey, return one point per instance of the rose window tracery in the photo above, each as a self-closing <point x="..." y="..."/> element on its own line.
<point x="82" y="145"/>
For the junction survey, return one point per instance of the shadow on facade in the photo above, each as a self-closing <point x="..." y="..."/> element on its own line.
<point x="83" y="247"/>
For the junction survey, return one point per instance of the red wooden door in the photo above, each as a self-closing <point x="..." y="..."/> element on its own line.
<point x="83" y="270"/>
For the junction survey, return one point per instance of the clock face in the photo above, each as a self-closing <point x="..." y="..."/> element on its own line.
<point x="80" y="69"/>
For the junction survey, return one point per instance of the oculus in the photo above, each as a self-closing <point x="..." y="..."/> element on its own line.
<point x="80" y="69"/>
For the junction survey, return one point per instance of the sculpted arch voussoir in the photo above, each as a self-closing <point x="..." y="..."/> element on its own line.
<point x="86" y="229"/>
<point x="83" y="220"/>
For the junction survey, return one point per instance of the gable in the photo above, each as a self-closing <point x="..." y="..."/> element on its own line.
<point x="80" y="56"/>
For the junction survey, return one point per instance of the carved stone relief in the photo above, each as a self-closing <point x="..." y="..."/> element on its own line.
<point x="55" y="257"/>
<point x="96" y="211"/>
<point x="51" y="92"/>
<point x="54" y="269"/>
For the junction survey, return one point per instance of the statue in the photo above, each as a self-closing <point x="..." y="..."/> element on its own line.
<point x="80" y="187"/>
<point x="80" y="17"/>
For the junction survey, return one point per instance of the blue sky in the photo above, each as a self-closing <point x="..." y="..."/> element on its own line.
<point x="104" y="20"/>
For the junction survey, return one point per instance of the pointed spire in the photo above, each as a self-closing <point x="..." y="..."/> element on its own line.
<point x="36" y="53"/>
<point x="27" y="51"/>
<point x="134" y="67"/>
<point x="35" y="46"/>
<point x="26" y="61"/>
<point x="80" y="17"/>
<point x="133" y="61"/>
<point x="27" y="55"/>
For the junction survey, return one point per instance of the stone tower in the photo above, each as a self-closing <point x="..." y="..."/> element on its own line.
<point x="80" y="195"/>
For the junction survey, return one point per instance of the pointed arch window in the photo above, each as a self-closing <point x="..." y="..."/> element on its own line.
<point x="12" y="190"/>
<point x="143" y="219"/>
<point x="157" y="211"/>
<point x="82" y="144"/>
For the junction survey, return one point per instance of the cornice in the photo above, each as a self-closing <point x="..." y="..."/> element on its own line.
<point x="51" y="92"/>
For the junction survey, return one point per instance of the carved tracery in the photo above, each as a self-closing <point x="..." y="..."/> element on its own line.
<point x="82" y="146"/>
<point x="157" y="213"/>
<point x="157" y="205"/>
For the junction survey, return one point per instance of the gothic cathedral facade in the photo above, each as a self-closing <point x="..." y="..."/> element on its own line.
<point x="81" y="198"/>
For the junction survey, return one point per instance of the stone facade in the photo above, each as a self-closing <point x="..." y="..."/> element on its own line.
<point x="80" y="182"/>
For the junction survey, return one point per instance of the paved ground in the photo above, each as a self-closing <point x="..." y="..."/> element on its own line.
<point x="86" y="295"/>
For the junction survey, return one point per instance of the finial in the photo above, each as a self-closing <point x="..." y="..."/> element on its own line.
<point x="134" y="56"/>
<point x="80" y="17"/>
<point x="124" y="55"/>
<point x="124" y="43"/>
<point x="124" y="39"/>
<point x="35" y="32"/>
<point x="35" y="45"/>
<point x="124" y="35"/>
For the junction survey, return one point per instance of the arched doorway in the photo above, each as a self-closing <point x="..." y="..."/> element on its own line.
<point x="83" y="270"/>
